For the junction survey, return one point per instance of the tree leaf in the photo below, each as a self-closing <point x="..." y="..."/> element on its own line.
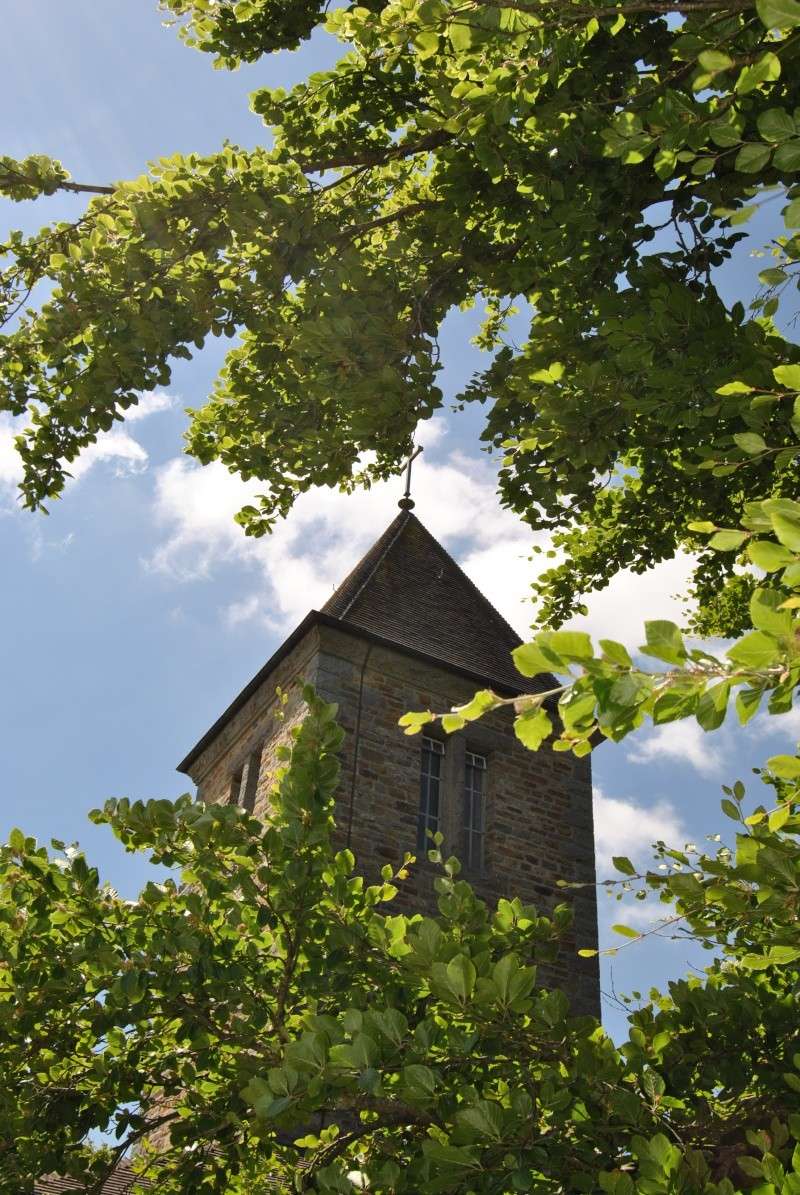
<point x="756" y="650"/>
<point x="750" y="442"/>
<point x="779" y="13"/>
<point x="713" y="706"/>
<point x="785" y="766"/>
<point x="776" y="124"/>
<point x="532" y="728"/>
<point x="664" y="641"/>
<point x="753" y="156"/>
<point x="766" y="69"/>
<point x="768" y="555"/>
<point x="788" y="376"/>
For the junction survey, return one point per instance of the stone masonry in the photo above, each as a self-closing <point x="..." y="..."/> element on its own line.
<point x="538" y="805"/>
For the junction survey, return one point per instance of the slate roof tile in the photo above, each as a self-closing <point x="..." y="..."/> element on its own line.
<point x="408" y="590"/>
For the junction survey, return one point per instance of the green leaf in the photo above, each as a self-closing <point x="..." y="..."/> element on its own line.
<point x="728" y="541"/>
<point x="626" y="931"/>
<point x="787" y="529"/>
<point x="715" y="60"/>
<point x="530" y="660"/>
<point x="787" y="156"/>
<point x="569" y="645"/>
<point x="765" y="70"/>
<point x="776" y="124"/>
<point x="419" y="1079"/>
<point x="785" y="766"/>
<point x="427" y="43"/>
<point x="779" y="817"/>
<point x="779" y="13"/>
<point x="16" y="840"/>
<point x="747" y="704"/>
<point x="771" y="277"/>
<point x="483" y="701"/>
<point x="788" y="376"/>
<point x="753" y="156"/>
<point x="713" y="706"/>
<point x="448" y="1156"/>
<point x="730" y="810"/>
<point x="623" y="864"/>
<point x="733" y="388"/>
<point x="461" y="976"/>
<point x="755" y="650"/>
<point x="615" y="652"/>
<point x="664" y="641"/>
<point x="532" y="727"/>
<point x="460" y="36"/>
<point x="791" y="214"/>
<point x="751" y="443"/>
<point x="724" y="134"/>
<point x="485" y="1119"/>
<point x="768" y="555"/>
<point x="766" y="614"/>
<point x="415" y="720"/>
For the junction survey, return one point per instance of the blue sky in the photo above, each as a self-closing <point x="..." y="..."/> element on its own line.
<point x="137" y="610"/>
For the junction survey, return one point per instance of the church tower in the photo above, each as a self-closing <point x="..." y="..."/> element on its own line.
<point x="407" y="630"/>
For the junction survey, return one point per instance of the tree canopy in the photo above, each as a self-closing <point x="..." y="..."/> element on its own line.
<point x="594" y="165"/>
<point x="273" y="1020"/>
<point x="591" y="162"/>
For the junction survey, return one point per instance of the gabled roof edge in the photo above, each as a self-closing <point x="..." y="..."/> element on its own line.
<point x="319" y="618"/>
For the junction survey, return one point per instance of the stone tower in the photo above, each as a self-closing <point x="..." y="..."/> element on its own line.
<point x="408" y="630"/>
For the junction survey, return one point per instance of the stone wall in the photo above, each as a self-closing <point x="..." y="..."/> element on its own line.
<point x="538" y="805"/>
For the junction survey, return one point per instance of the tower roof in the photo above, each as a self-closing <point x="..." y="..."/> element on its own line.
<point x="409" y="591"/>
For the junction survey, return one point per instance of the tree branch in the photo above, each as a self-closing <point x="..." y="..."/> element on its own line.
<point x="378" y="157"/>
<point x="89" y="188"/>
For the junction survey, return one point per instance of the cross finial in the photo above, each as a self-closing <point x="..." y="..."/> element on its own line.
<point x="407" y="502"/>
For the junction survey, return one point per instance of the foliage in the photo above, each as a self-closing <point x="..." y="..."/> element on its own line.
<point x="273" y="1016"/>
<point x="609" y="694"/>
<point x="592" y="162"/>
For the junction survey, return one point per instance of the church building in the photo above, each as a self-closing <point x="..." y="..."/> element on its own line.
<point x="408" y="630"/>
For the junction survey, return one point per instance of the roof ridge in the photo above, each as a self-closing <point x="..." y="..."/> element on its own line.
<point x="471" y="584"/>
<point x="399" y="523"/>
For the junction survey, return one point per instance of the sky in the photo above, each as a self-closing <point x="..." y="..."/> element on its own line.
<point x="137" y="610"/>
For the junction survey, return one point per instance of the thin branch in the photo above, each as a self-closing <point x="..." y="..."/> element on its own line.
<point x="378" y="157"/>
<point x="90" y="188"/>
<point x="410" y="209"/>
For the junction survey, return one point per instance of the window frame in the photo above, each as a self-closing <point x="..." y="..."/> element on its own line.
<point x="473" y="808"/>
<point x="431" y="749"/>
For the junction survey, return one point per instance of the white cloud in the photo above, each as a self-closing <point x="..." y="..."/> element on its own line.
<point x="785" y="726"/>
<point x="116" y="447"/>
<point x="684" y="741"/>
<point x="618" y="612"/>
<point x="10" y="464"/>
<point x="149" y="404"/>
<point x="299" y="565"/>
<point x="624" y="827"/>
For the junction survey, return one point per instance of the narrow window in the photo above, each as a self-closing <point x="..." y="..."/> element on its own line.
<point x="429" y="789"/>
<point x="251" y="771"/>
<point x="244" y="783"/>
<point x="474" y="810"/>
<point x="236" y="787"/>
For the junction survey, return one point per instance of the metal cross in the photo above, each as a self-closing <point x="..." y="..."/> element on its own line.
<point x="407" y="502"/>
